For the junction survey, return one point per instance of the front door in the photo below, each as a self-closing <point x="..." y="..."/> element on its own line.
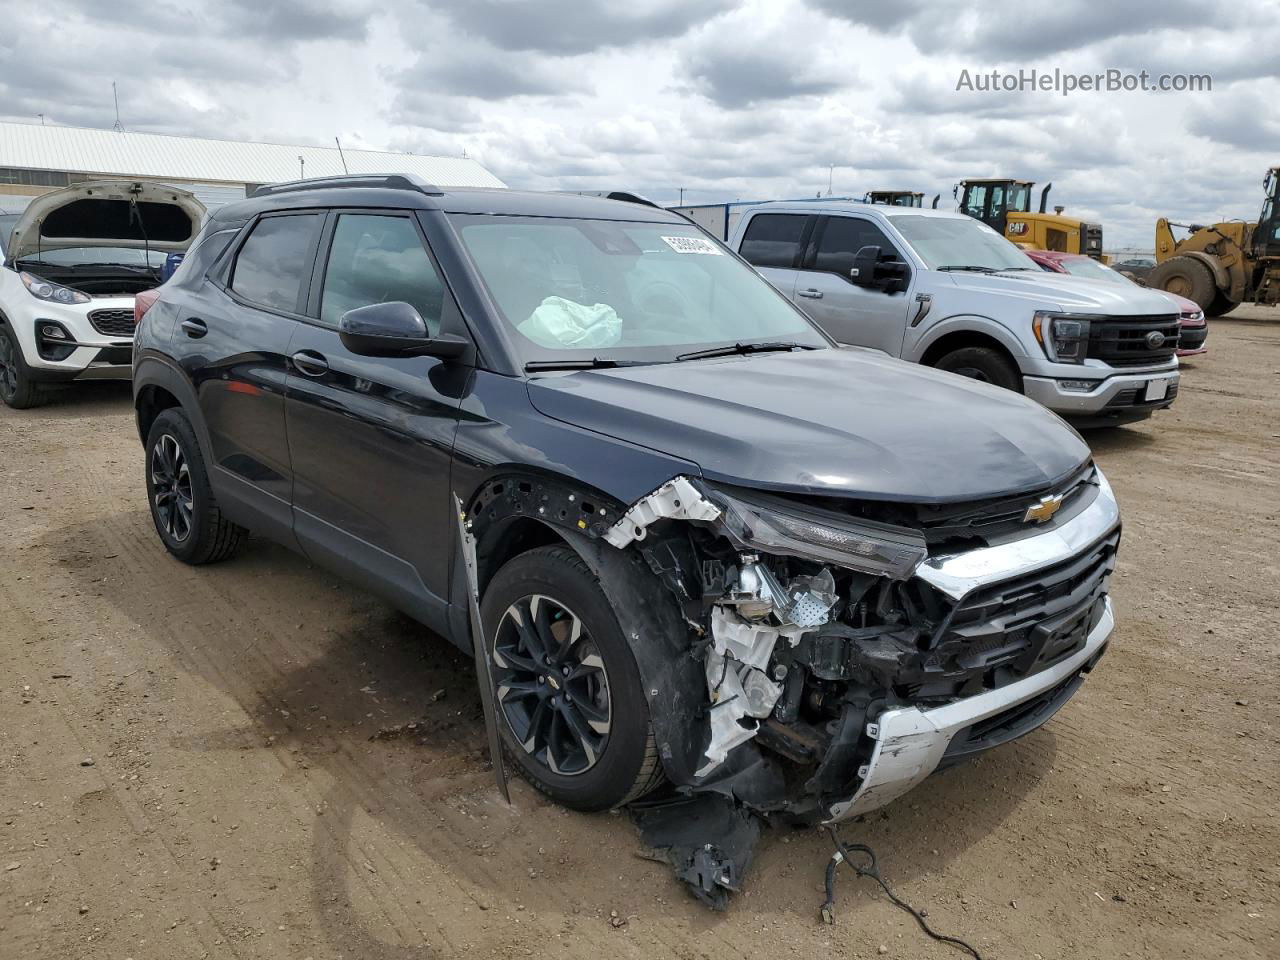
<point x="862" y="316"/>
<point x="371" y="439"/>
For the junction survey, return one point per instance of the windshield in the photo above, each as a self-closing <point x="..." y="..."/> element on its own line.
<point x="1088" y="267"/>
<point x="959" y="242"/>
<point x="80" y="256"/>
<point x="613" y="290"/>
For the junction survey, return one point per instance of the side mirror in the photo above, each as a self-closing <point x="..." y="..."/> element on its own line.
<point x="394" y="329"/>
<point x="870" y="271"/>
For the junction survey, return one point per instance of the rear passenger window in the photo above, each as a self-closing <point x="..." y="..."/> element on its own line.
<point x="270" y="266"/>
<point x="378" y="259"/>
<point x="844" y="237"/>
<point x="773" y="239"/>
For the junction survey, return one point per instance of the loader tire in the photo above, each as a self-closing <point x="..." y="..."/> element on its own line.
<point x="1221" y="306"/>
<point x="1187" y="277"/>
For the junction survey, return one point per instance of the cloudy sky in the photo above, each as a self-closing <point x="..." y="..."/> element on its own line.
<point x="726" y="99"/>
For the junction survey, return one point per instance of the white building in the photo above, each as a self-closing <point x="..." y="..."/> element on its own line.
<point x="35" y="159"/>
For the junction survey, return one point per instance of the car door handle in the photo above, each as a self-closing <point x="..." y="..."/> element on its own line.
<point x="195" y="327"/>
<point x="310" y="363"/>
<point x="810" y="294"/>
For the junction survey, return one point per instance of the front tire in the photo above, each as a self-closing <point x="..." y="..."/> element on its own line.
<point x="984" y="364"/>
<point x="568" y="695"/>
<point x="183" y="508"/>
<point x="1187" y="277"/>
<point x="17" y="389"/>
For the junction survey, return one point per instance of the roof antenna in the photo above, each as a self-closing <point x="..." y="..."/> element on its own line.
<point x="341" y="155"/>
<point x="115" y="95"/>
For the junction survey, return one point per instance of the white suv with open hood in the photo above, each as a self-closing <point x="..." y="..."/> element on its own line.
<point x="73" y="262"/>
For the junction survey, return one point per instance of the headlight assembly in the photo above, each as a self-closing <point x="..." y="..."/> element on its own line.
<point x="52" y="292"/>
<point x="1065" y="338"/>
<point x="777" y="527"/>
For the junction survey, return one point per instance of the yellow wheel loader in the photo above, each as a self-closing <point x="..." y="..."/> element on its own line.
<point x="1225" y="264"/>
<point x="897" y="198"/>
<point x="1005" y="206"/>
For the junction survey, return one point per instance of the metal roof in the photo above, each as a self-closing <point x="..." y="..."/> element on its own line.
<point x="88" y="150"/>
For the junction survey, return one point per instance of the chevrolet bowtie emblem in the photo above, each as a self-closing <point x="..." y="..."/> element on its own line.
<point x="1043" y="511"/>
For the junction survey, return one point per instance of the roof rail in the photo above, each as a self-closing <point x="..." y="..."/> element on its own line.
<point x="385" y="181"/>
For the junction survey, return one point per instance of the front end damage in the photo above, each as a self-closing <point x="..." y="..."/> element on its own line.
<point x="829" y="655"/>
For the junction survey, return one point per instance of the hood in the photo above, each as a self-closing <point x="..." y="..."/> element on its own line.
<point x="1061" y="291"/>
<point x="108" y="213"/>
<point x="844" y="423"/>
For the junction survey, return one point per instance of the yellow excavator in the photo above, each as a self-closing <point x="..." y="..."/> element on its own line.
<point x="897" y="198"/>
<point x="1223" y="265"/>
<point x="1005" y="206"/>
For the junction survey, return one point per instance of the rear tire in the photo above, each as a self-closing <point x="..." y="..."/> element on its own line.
<point x="17" y="389"/>
<point x="574" y="722"/>
<point x="1187" y="277"/>
<point x="183" y="508"/>
<point x="985" y="364"/>
<point x="1221" y="306"/>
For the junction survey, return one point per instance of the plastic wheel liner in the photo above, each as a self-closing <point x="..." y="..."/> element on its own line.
<point x="807" y="664"/>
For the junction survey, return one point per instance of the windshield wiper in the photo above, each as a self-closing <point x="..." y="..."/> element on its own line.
<point x="971" y="268"/>
<point x="594" y="363"/>
<point x="737" y="349"/>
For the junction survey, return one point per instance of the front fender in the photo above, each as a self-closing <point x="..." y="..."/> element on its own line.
<point x="966" y="323"/>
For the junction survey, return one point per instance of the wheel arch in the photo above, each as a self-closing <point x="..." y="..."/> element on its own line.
<point x="959" y="338"/>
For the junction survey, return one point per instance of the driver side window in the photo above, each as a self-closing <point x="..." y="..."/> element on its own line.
<point x="379" y="259"/>
<point x="842" y="238"/>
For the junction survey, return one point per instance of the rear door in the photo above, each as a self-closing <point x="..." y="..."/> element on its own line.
<point x="371" y="439"/>
<point x="232" y="338"/>
<point x="774" y="243"/>
<point x="863" y="316"/>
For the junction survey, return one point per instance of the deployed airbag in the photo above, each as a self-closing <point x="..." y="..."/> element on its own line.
<point x="563" y="323"/>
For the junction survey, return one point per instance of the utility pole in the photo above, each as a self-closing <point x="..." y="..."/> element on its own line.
<point x="41" y="116"/>
<point x="302" y="168"/>
<point x="682" y="196"/>
<point x="115" y="95"/>
<point x="831" y="169"/>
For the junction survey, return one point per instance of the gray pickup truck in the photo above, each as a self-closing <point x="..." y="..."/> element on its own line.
<point x="944" y="290"/>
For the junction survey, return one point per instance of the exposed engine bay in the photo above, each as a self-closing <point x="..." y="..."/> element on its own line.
<point x="105" y="279"/>
<point x="840" y="657"/>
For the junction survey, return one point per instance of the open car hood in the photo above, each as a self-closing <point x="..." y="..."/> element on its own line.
<point x="108" y="213"/>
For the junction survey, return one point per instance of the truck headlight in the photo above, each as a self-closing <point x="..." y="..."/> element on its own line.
<point x="1065" y="338"/>
<point x="775" y="526"/>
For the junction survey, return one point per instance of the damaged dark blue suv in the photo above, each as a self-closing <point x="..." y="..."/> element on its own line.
<point x="713" y="555"/>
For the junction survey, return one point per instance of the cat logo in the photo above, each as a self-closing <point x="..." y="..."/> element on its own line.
<point x="1043" y="511"/>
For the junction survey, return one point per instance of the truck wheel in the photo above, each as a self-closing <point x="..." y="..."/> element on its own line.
<point x="982" y="363"/>
<point x="17" y="389"/>
<point x="183" y="508"/>
<point x="570" y="705"/>
<point x="1221" y="306"/>
<point x="1187" y="277"/>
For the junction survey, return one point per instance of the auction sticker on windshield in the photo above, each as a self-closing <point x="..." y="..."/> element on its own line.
<point x="692" y="245"/>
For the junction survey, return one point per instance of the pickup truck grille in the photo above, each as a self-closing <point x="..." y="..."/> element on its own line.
<point x="1134" y="341"/>
<point x="114" y="323"/>
<point x="1024" y="624"/>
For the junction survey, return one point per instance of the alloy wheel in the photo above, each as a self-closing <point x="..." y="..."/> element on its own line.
<point x="171" y="488"/>
<point x="551" y="685"/>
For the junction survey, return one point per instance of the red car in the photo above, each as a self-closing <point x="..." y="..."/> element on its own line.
<point x="1193" y="330"/>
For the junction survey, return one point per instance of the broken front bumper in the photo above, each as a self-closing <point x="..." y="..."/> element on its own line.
<point x="910" y="743"/>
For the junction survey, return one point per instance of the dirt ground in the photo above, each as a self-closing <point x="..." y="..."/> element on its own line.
<point x="191" y="766"/>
